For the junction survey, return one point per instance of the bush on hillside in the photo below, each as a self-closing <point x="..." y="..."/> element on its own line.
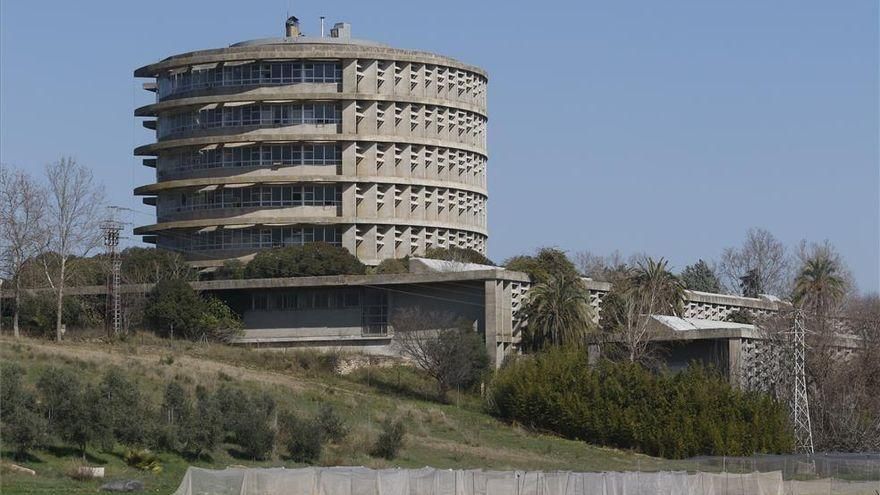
<point x="462" y="255"/>
<point x="333" y="428"/>
<point x="623" y="405"/>
<point x="248" y="419"/>
<point x="312" y="259"/>
<point x="22" y="425"/>
<point x="390" y="439"/>
<point x="75" y="412"/>
<point x="303" y="438"/>
<point x="128" y="411"/>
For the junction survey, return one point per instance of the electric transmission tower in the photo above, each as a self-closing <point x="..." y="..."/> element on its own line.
<point x="111" y="228"/>
<point x="800" y="405"/>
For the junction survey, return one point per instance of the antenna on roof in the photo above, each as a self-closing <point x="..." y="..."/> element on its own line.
<point x="322" y="26"/>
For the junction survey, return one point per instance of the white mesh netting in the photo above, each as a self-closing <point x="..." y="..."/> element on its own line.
<point x="429" y="481"/>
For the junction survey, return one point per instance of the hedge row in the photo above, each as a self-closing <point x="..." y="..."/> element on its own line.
<point x="695" y="412"/>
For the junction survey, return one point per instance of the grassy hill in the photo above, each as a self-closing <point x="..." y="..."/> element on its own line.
<point x="457" y="435"/>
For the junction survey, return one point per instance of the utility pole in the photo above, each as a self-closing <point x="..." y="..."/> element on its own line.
<point x="111" y="229"/>
<point x="800" y="405"/>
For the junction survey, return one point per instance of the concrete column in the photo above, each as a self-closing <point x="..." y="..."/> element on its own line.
<point x="349" y="117"/>
<point x="498" y="320"/>
<point x="348" y="239"/>
<point x="369" y="69"/>
<point x="734" y="362"/>
<point x="349" y="76"/>
<point x="349" y="159"/>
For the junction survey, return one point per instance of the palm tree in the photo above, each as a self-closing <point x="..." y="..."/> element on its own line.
<point x="558" y="313"/>
<point x="652" y="281"/>
<point x="820" y="284"/>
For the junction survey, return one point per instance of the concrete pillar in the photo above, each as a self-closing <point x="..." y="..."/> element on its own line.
<point x="349" y="76"/>
<point x="499" y="321"/>
<point x="734" y="362"/>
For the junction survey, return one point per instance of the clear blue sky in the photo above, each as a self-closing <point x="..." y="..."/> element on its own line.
<point x="660" y="127"/>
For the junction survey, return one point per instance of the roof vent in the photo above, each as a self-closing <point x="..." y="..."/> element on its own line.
<point x="291" y="27"/>
<point x="341" y="30"/>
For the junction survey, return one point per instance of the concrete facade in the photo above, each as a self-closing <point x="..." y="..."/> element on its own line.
<point x="299" y="139"/>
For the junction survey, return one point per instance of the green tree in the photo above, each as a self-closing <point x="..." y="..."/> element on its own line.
<point x="127" y="410"/>
<point x="308" y="260"/>
<point x="648" y="289"/>
<point x="821" y="283"/>
<point x="547" y="263"/>
<point x="174" y="308"/>
<point x="461" y="255"/>
<point x="750" y="284"/>
<point x="249" y="418"/>
<point x="442" y="345"/>
<point x="22" y="425"/>
<point x="558" y="313"/>
<point x="218" y="321"/>
<point x="177" y="413"/>
<point x="700" y="277"/>
<point x="75" y="412"/>
<point x="204" y="430"/>
<point x="653" y="278"/>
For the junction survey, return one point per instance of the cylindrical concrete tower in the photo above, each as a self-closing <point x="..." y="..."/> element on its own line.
<point x="286" y="141"/>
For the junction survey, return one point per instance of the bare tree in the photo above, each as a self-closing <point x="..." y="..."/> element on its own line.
<point x="74" y="203"/>
<point x="762" y="260"/>
<point x="443" y="345"/>
<point x="22" y="215"/>
<point x="649" y="289"/>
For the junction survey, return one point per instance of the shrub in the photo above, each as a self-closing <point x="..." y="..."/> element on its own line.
<point x="390" y="439"/>
<point x="303" y="438"/>
<point x="624" y="405"/>
<point x="231" y="270"/>
<point x="393" y="265"/>
<point x="462" y="255"/>
<point x="312" y="259"/>
<point x="143" y="460"/>
<point x="332" y="427"/>
<point x="218" y="322"/>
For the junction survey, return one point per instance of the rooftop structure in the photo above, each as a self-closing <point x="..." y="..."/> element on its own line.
<point x="298" y="139"/>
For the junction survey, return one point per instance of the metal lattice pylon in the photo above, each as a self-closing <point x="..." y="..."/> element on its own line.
<point x="800" y="404"/>
<point x="111" y="229"/>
